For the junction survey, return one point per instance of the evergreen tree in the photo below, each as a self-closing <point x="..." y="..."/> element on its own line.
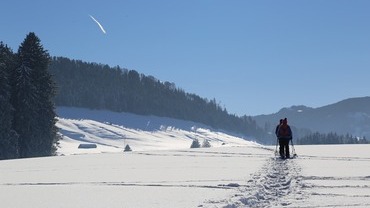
<point x="8" y="137"/>
<point x="34" y="119"/>
<point x="195" y="144"/>
<point x="127" y="148"/>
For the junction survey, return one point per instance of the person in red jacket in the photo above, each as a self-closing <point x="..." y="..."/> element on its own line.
<point x="284" y="135"/>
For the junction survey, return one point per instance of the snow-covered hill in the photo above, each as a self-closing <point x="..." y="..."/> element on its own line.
<point x="111" y="131"/>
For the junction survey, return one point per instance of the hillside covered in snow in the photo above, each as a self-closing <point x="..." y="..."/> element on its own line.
<point x="112" y="131"/>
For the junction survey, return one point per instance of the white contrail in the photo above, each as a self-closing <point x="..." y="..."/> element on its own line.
<point x="101" y="27"/>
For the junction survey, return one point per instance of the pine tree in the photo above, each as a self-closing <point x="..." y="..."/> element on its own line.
<point x="8" y="137"/>
<point x="34" y="119"/>
<point x="127" y="148"/>
<point x="195" y="144"/>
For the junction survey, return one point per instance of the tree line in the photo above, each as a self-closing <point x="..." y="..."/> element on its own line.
<point x="330" y="138"/>
<point x="98" y="86"/>
<point x="27" y="116"/>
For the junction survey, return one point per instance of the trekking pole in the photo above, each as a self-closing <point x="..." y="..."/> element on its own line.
<point x="293" y="150"/>
<point x="276" y="147"/>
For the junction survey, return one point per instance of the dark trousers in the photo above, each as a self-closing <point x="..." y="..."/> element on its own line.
<point x="284" y="147"/>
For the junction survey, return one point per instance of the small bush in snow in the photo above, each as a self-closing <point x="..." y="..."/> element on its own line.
<point x="206" y="143"/>
<point x="195" y="144"/>
<point x="127" y="148"/>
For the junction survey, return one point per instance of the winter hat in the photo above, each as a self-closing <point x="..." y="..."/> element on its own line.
<point x="285" y="121"/>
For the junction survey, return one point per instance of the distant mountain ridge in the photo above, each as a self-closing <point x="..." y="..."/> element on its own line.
<point x="350" y="116"/>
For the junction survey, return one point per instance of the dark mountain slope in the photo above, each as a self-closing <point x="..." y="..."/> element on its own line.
<point x="348" y="116"/>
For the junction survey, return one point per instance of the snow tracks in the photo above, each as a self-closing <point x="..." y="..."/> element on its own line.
<point x="277" y="184"/>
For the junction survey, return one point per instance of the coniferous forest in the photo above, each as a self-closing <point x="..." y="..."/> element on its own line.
<point x="27" y="90"/>
<point x="98" y="86"/>
<point x="330" y="138"/>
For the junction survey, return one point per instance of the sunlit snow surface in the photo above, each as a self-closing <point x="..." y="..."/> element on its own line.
<point x="112" y="131"/>
<point x="163" y="171"/>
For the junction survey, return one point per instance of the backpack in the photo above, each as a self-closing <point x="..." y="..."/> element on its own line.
<point x="284" y="131"/>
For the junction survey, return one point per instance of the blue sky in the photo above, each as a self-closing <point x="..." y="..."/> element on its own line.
<point x="253" y="57"/>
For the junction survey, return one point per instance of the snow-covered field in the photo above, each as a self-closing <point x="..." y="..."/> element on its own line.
<point x="162" y="171"/>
